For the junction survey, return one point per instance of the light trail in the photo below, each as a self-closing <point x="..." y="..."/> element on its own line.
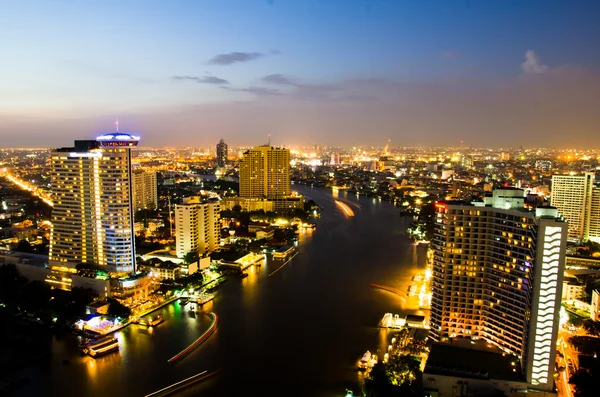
<point x="181" y="384"/>
<point x="390" y="289"/>
<point x="21" y="184"/>
<point x="198" y="341"/>
<point x="280" y="267"/>
<point x="345" y="208"/>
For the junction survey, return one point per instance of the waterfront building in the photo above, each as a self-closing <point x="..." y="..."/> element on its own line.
<point x="92" y="217"/>
<point x="497" y="276"/>
<point x="144" y="190"/>
<point x="221" y="153"/>
<point x="572" y="195"/>
<point x="197" y="226"/>
<point x="265" y="173"/>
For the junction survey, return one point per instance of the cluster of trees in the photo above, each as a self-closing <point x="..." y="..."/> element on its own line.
<point x="400" y="376"/>
<point x="36" y="297"/>
<point x="586" y="382"/>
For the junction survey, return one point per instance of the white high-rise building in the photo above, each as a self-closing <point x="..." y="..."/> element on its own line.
<point x="92" y="218"/>
<point x="572" y="195"/>
<point x="144" y="190"/>
<point x="197" y="226"/>
<point x="594" y="233"/>
<point x="497" y="276"/>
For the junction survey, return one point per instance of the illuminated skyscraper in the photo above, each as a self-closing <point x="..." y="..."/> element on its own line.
<point x="197" y="226"/>
<point x="144" y="190"/>
<point x="221" y="153"/>
<point x="572" y="195"/>
<point x="92" y="218"/>
<point x="265" y="173"/>
<point x="497" y="276"/>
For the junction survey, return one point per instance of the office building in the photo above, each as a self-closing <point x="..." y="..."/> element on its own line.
<point x="572" y="195"/>
<point x="92" y="218"/>
<point x="497" y="276"/>
<point x="265" y="173"/>
<point x="221" y="153"/>
<point x="144" y="190"/>
<point x="197" y="226"/>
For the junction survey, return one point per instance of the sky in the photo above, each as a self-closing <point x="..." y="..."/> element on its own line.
<point x="495" y="73"/>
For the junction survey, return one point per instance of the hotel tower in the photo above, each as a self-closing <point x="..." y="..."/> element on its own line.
<point x="497" y="276"/>
<point x="92" y="218"/>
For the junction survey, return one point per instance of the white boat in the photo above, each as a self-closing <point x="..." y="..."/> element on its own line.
<point x="364" y="361"/>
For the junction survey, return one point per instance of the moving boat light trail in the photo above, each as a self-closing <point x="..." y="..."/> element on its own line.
<point x="197" y="342"/>
<point x="345" y="208"/>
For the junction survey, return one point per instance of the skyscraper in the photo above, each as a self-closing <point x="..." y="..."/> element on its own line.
<point x="265" y="173"/>
<point x="92" y="218"/>
<point x="221" y="153"/>
<point x="144" y="190"/>
<point x="572" y="195"/>
<point x="497" y="276"/>
<point x="197" y="227"/>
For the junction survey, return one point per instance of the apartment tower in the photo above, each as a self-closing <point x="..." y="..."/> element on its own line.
<point x="497" y="276"/>
<point x="197" y="226"/>
<point x="144" y="190"/>
<point x="572" y="195"/>
<point x="265" y="173"/>
<point x="92" y="218"/>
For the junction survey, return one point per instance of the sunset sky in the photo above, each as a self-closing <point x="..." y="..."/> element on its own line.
<point x="347" y="72"/>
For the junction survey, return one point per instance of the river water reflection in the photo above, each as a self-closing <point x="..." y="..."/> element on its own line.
<point x="298" y="332"/>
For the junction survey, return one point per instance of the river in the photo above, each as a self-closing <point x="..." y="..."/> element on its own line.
<point x="296" y="332"/>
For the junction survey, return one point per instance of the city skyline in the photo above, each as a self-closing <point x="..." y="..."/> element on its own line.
<point x="480" y="73"/>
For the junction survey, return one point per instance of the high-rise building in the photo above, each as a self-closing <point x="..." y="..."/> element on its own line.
<point x="221" y="153"/>
<point x="265" y="173"/>
<point x="197" y="226"/>
<point x="572" y="195"/>
<point x="144" y="190"/>
<point x="92" y="218"/>
<point x="594" y="231"/>
<point x="497" y="276"/>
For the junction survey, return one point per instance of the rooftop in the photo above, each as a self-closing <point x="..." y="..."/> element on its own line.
<point x="474" y="364"/>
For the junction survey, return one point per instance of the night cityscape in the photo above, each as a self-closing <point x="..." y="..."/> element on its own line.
<point x="300" y="198"/>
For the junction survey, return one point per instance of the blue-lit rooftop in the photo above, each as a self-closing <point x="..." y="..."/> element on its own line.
<point x="118" y="139"/>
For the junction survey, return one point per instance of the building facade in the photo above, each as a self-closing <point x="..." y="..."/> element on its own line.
<point x="144" y="190"/>
<point x="265" y="173"/>
<point x="221" y="153"/>
<point x="197" y="226"/>
<point x="572" y="195"/>
<point x="92" y="218"/>
<point x="497" y="276"/>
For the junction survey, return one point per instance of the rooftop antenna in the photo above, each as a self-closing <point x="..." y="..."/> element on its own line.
<point x="117" y="125"/>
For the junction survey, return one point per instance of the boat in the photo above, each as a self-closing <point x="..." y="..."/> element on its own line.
<point x="283" y="252"/>
<point x="183" y="302"/>
<point x="204" y="298"/>
<point x="364" y="361"/>
<point x="155" y="321"/>
<point x="89" y="342"/>
<point x="373" y="361"/>
<point x="106" y="346"/>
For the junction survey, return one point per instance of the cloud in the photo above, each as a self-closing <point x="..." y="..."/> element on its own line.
<point x="278" y="79"/>
<point x="204" y="80"/>
<point x="448" y="54"/>
<point x="235" y="57"/>
<point x="532" y="63"/>
<point x="258" y="91"/>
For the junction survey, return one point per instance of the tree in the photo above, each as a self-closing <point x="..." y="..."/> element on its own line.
<point x="592" y="327"/>
<point x="117" y="309"/>
<point x="24" y="246"/>
<point x="586" y="385"/>
<point x="191" y="257"/>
